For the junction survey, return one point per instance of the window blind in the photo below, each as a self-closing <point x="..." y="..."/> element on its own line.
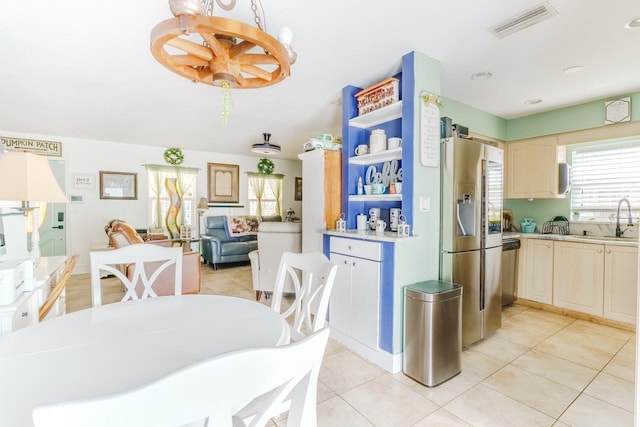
<point x="602" y="175"/>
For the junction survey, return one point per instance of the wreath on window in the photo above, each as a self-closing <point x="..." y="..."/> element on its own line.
<point x="173" y="156"/>
<point x="265" y="166"/>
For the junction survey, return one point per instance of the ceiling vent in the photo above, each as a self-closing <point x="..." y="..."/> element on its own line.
<point x="266" y="147"/>
<point x="523" y="20"/>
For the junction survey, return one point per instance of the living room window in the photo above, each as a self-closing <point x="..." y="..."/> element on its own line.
<point x="265" y="194"/>
<point x="603" y="174"/>
<point x="171" y="186"/>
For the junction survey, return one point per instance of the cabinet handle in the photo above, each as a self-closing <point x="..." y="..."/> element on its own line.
<point x="25" y="314"/>
<point x="350" y="247"/>
<point x="599" y="251"/>
<point x="353" y="263"/>
<point x="345" y="262"/>
<point x="549" y="245"/>
<point x="608" y="251"/>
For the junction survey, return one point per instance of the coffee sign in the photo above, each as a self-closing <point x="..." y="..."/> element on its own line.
<point x="36" y="146"/>
<point x="391" y="172"/>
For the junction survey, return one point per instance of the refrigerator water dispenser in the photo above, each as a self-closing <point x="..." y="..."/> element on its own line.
<point x="465" y="216"/>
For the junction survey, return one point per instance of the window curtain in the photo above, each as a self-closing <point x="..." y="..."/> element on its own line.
<point x="165" y="181"/>
<point x="259" y="182"/>
<point x="275" y="184"/>
<point x="256" y="182"/>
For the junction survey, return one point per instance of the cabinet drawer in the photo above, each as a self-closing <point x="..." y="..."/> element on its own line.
<point x="25" y="315"/>
<point x="357" y="248"/>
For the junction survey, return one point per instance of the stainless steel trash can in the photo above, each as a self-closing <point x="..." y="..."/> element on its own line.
<point x="432" y="331"/>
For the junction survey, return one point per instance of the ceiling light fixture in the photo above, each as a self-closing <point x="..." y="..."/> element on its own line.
<point x="634" y="23"/>
<point x="220" y="51"/>
<point x="266" y="147"/>
<point x="533" y="101"/>
<point x="572" y="69"/>
<point x="481" y="76"/>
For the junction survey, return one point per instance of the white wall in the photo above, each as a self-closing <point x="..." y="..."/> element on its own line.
<point x="85" y="221"/>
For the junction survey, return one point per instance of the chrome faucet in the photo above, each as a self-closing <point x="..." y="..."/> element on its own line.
<point x="630" y="223"/>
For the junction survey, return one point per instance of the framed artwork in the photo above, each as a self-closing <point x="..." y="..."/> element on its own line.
<point x="298" y="189"/>
<point x="223" y="183"/>
<point x="118" y="185"/>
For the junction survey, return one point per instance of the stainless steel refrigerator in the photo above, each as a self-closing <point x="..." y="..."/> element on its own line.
<point x="471" y="232"/>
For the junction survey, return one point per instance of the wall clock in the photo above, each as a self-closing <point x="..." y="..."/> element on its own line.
<point x="617" y="111"/>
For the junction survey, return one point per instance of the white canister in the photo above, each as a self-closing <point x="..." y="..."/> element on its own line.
<point x="377" y="141"/>
<point x="361" y="222"/>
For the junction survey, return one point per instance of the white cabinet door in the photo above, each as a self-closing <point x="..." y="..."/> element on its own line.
<point x="532" y="168"/>
<point x="365" y="281"/>
<point x="578" y="277"/>
<point x="539" y="274"/>
<point x="620" y="283"/>
<point x="354" y="308"/>
<point x="340" y="303"/>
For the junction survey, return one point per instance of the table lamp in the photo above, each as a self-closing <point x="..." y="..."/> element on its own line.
<point x="28" y="177"/>
<point x="203" y="205"/>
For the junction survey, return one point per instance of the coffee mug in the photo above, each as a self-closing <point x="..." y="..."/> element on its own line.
<point x="374" y="214"/>
<point x="377" y="188"/>
<point x="394" y="143"/>
<point x="367" y="189"/>
<point x="362" y="149"/>
<point x="380" y="226"/>
<point x="398" y="188"/>
<point x="394" y="216"/>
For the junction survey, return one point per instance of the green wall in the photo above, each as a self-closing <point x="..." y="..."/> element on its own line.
<point x="578" y="117"/>
<point x="476" y="120"/>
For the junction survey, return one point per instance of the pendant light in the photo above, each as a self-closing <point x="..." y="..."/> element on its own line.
<point x="266" y="147"/>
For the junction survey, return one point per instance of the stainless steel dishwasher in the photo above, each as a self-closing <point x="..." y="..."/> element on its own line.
<point x="509" y="269"/>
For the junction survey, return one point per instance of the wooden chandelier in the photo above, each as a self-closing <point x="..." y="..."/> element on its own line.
<point x="225" y="55"/>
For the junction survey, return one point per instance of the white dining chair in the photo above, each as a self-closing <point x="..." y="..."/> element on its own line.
<point x="233" y="389"/>
<point x="312" y="293"/>
<point x="137" y="267"/>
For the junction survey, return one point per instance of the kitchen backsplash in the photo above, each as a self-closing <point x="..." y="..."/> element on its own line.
<point x="601" y="228"/>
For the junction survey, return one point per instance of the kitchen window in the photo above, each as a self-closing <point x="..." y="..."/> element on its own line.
<point x="603" y="174"/>
<point x="265" y="194"/>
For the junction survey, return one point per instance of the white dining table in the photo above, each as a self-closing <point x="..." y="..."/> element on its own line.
<point x="116" y="347"/>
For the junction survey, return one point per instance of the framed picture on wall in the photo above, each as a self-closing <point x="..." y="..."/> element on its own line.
<point x="118" y="185"/>
<point x="298" y="189"/>
<point x="223" y="183"/>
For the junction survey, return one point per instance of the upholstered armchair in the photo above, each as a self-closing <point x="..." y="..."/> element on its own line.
<point x="122" y="234"/>
<point x="219" y="247"/>
<point x="274" y="238"/>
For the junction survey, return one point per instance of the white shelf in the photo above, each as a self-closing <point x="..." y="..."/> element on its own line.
<point x="375" y="198"/>
<point x="381" y="115"/>
<point x="381" y="156"/>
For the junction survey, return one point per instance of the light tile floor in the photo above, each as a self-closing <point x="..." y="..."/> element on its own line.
<point x="539" y="369"/>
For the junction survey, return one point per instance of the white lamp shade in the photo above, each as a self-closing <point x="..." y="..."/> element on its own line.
<point x="28" y="177"/>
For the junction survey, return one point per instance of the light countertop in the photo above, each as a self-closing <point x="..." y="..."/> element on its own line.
<point x="389" y="236"/>
<point x="618" y="241"/>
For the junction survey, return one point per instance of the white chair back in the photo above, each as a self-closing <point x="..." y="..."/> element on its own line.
<point x="274" y="238"/>
<point x="311" y="296"/>
<point x="147" y="262"/>
<point x="246" y="387"/>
